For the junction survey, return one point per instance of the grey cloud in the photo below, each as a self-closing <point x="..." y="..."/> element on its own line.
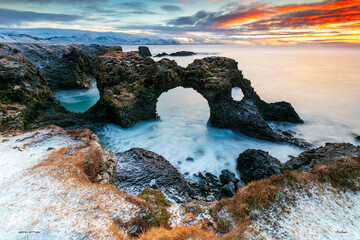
<point x="199" y="18"/>
<point x="137" y="7"/>
<point x="171" y="8"/>
<point x="10" y="17"/>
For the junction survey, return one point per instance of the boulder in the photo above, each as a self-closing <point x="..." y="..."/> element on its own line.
<point x="228" y="189"/>
<point x="161" y="54"/>
<point x="226" y="176"/>
<point x="329" y="153"/>
<point x="138" y="169"/>
<point x="182" y="54"/>
<point x="257" y="164"/>
<point x="144" y="51"/>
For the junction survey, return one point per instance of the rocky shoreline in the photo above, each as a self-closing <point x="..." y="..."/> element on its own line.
<point x="153" y="193"/>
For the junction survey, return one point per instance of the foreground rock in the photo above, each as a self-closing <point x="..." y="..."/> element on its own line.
<point x="330" y="153"/>
<point x="256" y="164"/>
<point x="139" y="169"/>
<point x="209" y="187"/>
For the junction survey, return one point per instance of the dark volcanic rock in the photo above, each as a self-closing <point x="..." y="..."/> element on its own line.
<point x="182" y="54"/>
<point x="330" y="153"/>
<point x="144" y="51"/>
<point x="257" y="164"/>
<point x="138" y="169"/>
<point x="210" y="186"/>
<point x="63" y="66"/>
<point x="227" y="176"/>
<point x="229" y="189"/>
<point x="130" y="86"/>
<point x="24" y="94"/>
<point x="161" y="54"/>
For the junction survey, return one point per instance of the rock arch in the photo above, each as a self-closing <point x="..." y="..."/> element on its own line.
<point x="130" y="86"/>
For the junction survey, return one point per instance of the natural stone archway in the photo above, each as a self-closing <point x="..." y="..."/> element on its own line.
<point x="130" y="86"/>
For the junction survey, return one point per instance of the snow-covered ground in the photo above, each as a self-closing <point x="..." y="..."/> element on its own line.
<point x="317" y="213"/>
<point x="68" y="36"/>
<point x="53" y="201"/>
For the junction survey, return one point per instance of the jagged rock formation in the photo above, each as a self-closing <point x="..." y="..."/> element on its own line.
<point x="130" y="86"/>
<point x="256" y="164"/>
<point x="329" y="153"/>
<point x="63" y="66"/>
<point x="24" y="93"/>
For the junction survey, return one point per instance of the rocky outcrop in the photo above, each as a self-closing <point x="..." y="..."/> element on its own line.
<point x="130" y="86"/>
<point x="144" y="51"/>
<point x="63" y="66"/>
<point x="329" y="153"/>
<point x="24" y="93"/>
<point x="176" y="54"/>
<point x="256" y="164"/>
<point x="139" y="169"/>
<point x="182" y="54"/>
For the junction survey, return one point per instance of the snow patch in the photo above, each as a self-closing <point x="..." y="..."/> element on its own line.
<point x="48" y="202"/>
<point x="316" y="213"/>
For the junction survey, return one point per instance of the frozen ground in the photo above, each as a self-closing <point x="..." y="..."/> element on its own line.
<point x="319" y="213"/>
<point x="53" y="202"/>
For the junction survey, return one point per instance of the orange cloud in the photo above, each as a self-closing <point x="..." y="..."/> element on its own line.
<point x="316" y="14"/>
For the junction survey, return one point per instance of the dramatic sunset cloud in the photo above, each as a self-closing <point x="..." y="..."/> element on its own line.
<point x="197" y="21"/>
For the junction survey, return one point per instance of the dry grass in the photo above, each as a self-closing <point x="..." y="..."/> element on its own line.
<point x="179" y="233"/>
<point x="259" y="195"/>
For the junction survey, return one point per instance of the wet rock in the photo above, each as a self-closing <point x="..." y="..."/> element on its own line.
<point x="161" y="54"/>
<point x="189" y="159"/>
<point x="182" y="54"/>
<point x="210" y="198"/>
<point x="357" y="137"/>
<point x="240" y="184"/>
<point x="329" y="153"/>
<point x="256" y="164"/>
<point x="228" y="189"/>
<point x="144" y="51"/>
<point x="227" y="176"/>
<point x="138" y="168"/>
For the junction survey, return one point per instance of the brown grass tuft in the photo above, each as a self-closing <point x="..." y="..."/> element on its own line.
<point x="179" y="233"/>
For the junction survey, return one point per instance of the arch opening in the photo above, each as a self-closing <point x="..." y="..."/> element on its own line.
<point x="78" y="100"/>
<point x="183" y="104"/>
<point x="237" y="94"/>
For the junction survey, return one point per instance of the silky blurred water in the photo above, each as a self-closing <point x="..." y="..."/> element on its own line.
<point x="322" y="83"/>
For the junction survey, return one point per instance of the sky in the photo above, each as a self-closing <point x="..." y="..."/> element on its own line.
<point x="197" y="21"/>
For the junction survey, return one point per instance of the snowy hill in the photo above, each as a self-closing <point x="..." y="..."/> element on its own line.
<point x="76" y="37"/>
